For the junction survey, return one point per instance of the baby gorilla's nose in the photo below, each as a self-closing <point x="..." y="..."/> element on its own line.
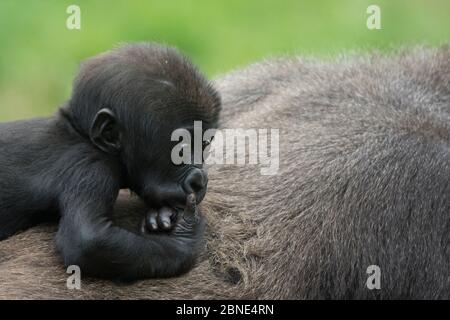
<point x="196" y="182"/>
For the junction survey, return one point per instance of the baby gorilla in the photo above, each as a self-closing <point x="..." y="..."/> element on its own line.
<point x="114" y="133"/>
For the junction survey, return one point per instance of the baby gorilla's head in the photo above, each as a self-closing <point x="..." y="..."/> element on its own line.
<point x="129" y="101"/>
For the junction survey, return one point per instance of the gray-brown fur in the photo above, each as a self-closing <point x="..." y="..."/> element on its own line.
<point x="363" y="179"/>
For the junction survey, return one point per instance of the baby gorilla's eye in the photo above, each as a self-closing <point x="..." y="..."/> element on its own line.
<point x="206" y="149"/>
<point x="207" y="143"/>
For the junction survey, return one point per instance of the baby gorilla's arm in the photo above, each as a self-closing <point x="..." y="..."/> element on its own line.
<point x="88" y="239"/>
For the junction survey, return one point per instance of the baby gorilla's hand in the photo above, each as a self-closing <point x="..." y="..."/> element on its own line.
<point x="166" y="218"/>
<point x="163" y="219"/>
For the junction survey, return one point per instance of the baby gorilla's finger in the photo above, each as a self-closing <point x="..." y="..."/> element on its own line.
<point x="165" y="217"/>
<point x="191" y="205"/>
<point x="143" y="227"/>
<point x="151" y="220"/>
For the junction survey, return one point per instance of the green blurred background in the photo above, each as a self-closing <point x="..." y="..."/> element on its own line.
<point x="39" y="55"/>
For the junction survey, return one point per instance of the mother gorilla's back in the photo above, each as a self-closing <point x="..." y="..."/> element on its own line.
<point x="362" y="180"/>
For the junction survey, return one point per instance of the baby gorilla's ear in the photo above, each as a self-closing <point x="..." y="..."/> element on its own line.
<point x="105" y="132"/>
